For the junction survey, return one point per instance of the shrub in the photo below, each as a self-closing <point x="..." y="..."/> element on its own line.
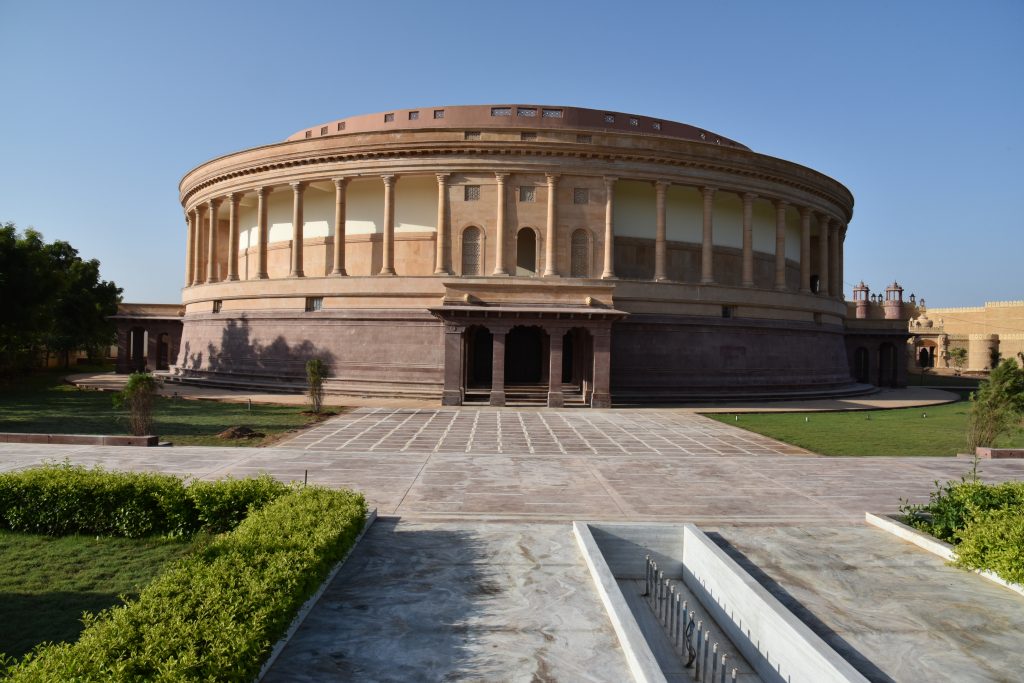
<point x="316" y="373"/>
<point x="994" y="540"/>
<point x="138" y="397"/>
<point x="952" y="507"/>
<point x="997" y="405"/>
<point x="216" y="614"/>
<point x="63" y="499"/>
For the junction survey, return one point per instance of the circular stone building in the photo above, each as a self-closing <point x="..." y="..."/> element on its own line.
<point x="516" y="252"/>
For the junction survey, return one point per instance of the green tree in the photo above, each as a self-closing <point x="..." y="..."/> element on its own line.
<point x="958" y="356"/>
<point x="54" y="301"/>
<point x="138" y="396"/>
<point x="997" y="406"/>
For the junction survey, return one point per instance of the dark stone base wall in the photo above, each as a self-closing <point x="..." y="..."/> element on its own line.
<point x="401" y="353"/>
<point x="378" y="353"/>
<point x="675" y="357"/>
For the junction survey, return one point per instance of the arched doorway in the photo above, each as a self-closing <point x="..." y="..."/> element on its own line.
<point x="862" y="366"/>
<point x="471" y="252"/>
<point x="580" y="253"/>
<point x="524" y="356"/>
<point x="526" y="252"/>
<point x="886" y="365"/>
<point x="479" y="345"/>
<point x="578" y="363"/>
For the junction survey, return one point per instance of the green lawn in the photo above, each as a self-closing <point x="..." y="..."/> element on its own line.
<point x="875" y="432"/>
<point x="46" y="583"/>
<point x="42" y="403"/>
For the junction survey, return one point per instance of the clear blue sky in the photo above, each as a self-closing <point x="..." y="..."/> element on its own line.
<point x="917" y="107"/>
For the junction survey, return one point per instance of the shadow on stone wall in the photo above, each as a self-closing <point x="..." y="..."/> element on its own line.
<point x="239" y="353"/>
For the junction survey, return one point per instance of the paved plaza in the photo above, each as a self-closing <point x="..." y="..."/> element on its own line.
<point x="472" y="573"/>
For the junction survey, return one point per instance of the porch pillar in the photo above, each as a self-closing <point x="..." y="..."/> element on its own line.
<point x="339" y="227"/>
<point x="602" y="397"/>
<point x="609" y="228"/>
<point x="211" y="250"/>
<point x="556" y="399"/>
<point x="262" y="197"/>
<point x="233" y="200"/>
<point x="388" y="266"/>
<point x="498" y="335"/>
<point x="660" y="245"/>
<point x="297" y="229"/>
<point x="453" y="389"/>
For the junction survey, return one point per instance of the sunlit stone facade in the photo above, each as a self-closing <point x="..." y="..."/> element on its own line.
<point x="515" y="252"/>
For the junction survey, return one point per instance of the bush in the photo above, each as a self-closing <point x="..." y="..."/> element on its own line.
<point x="952" y="507"/>
<point x="63" y="499"/>
<point x="994" y="540"/>
<point x="216" y="614"/>
<point x="138" y="396"/>
<point x="997" y="405"/>
<point x="316" y="372"/>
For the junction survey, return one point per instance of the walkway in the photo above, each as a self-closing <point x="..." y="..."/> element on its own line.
<point x="556" y="465"/>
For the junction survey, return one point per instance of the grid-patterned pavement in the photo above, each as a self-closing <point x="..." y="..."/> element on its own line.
<point x="534" y="432"/>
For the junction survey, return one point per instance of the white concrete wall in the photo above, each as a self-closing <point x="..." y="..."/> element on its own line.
<point x="792" y="233"/>
<point x="684" y="215"/>
<point x="415" y="204"/>
<point x="364" y="206"/>
<point x="634" y="211"/>
<point x="764" y="226"/>
<point x="728" y="220"/>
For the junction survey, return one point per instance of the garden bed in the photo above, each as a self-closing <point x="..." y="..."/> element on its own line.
<point x="214" y="614"/>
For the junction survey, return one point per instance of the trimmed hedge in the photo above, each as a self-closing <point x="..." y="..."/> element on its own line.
<point x="62" y="499"/>
<point x="216" y="614"/>
<point x="984" y="522"/>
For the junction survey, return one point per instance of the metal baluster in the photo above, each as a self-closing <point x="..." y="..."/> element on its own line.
<point x="714" y="662"/>
<point x="661" y="594"/>
<point x="696" y="671"/>
<point x="647" y="576"/>
<point x="704" y="664"/>
<point x="734" y="672"/>
<point x="724" y="657"/>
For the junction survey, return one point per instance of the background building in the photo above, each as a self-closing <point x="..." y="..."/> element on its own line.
<point x="521" y="251"/>
<point x="989" y="332"/>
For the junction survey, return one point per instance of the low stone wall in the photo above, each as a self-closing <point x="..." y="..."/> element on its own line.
<point x="80" y="439"/>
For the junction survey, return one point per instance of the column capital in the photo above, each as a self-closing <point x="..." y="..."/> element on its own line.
<point x="552" y="178"/>
<point x="499" y="328"/>
<point x="213" y="203"/>
<point x="234" y="197"/>
<point x="748" y="196"/>
<point x="442" y="178"/>
<point x="610" y="180"/>
<point x="708" y="191"/>
<point x="824" y="219"/>
<point x="341" y="181"/>
<point x="298" y="186"/>
<point x="805" y="212"/>
<point x="780" y="203"/>
<point x="389" y="179"/>
<point x="662" y="185"/>
<point x="500" y="177"/>
<point x="264" y="190"/>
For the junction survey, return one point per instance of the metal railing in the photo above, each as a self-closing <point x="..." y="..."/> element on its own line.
<point x="689" y="637"/>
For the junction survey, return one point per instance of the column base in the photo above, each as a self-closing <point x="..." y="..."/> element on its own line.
<point x="660" y="278"/>
<point x="296" y="273"/>
<point x="805" y="290"/>
<point x="747" y="283"/>
<point x="262" y="276"/>
<point x="707" y="281"/>
<point x="442" y="272"/>
<point x="608" y="276"/>
<point x="210" y="282"/>
<point x="387" y="272"/>
<point x="451" y="397"/>
<point x="502" y="273"/>
<point x="601" y="401"/>
<point x="339" y="273"/>
<point x="556" y="399"/>
<point x="497" y="398"/>
<point x="231" y="278"/>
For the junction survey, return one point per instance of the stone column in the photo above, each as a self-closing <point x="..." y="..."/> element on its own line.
<point x="388" y="265"/>
<point x="556" y="399"/>
<point x="340" y="184"/>
<point x="262" y="194"/>
<point x="660" y="188"/>
<point x="549" y="246"/>
<point x="780" y="244"/>
<point x="602" y="369"/>
<point x="805" y="250"/>
<point x="189" y="246"/>
<point x="211" y="254"/>
<point x="835" y="286"/>
<point x="748" y="238"/>
<point x="198" y="263"/>
<point x="453" y="390"/>
<point x="823" y="235"/>
<point x="499" y="250"/>
<point x="707" y="245"/>
<point x="298" y="223"/>
<point x="841" y="248"/>
<point x="233" y="200"/>
<point x="498" y="335"/>
<point x="609" y="228"/>
<point x="440" y="264"/>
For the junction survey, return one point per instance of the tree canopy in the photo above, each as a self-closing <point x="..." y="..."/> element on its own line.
<point x="53" y="300"/>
